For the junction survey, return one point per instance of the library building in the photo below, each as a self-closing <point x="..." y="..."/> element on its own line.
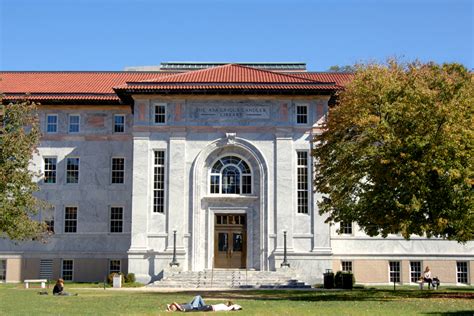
<point x="197" y="174"/>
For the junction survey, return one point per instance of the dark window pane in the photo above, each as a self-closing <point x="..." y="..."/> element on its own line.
<point x="222" y="242"/>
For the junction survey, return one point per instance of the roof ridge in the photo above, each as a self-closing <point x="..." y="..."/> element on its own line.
<point x="277" y="73"/>
<point x="84" y="71"/>
<point x="165" y="79"/>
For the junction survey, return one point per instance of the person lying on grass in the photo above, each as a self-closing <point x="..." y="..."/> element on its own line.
<point x="197" y="304"/>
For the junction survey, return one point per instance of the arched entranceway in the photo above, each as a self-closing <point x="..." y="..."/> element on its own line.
<point x="229" y="207"/>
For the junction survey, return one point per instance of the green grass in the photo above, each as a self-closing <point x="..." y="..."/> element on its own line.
<point x="14" y="300"/>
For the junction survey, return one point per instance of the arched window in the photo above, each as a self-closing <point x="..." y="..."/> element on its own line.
<point x="231" y="175"/>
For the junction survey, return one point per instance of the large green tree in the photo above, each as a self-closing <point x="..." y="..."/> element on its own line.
<point x="396" y="155"/>
<point x="19" y="136"/>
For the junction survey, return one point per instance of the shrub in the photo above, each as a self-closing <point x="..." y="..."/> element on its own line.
<point x="110" y="277"/>
<point x="130" y="278"/>
<point x="339" y="277"/>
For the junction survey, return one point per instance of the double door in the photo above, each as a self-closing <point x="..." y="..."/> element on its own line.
<point x="230" y="241"/>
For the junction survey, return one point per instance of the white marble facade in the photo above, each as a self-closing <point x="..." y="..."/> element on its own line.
<point x="193" y="142"/>
<point x="198" y="130"/>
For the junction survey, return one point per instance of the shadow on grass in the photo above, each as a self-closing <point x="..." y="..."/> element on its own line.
<point x="324" y="295"/>
<point x="456" y="313"/>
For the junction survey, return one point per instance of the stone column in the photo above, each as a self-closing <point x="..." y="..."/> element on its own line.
<point x="138" y="262"/>
<point x="140" y="192"/>
<point x="177" y="190"/>
<point x="284" y="189"/>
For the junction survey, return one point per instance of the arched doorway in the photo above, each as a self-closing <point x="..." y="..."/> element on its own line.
<point x="229" y="207"/>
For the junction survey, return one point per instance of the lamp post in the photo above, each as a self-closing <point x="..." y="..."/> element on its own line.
<point x="174" y="262"/>
<point x="285" y="262"/>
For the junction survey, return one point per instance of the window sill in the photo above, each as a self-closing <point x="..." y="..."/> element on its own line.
<point x="233" y="197"/>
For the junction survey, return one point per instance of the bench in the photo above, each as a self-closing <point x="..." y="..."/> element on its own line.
<point x="42" y="281"/>
<point x="434" y="283"/>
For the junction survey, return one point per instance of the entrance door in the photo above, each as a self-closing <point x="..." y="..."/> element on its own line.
<point x="230" y="241"/>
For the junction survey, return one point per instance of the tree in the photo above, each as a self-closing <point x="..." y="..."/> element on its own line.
<point x="19" y="136"/>
<point x="345" y="68"/>
<point x="396" y="155"/>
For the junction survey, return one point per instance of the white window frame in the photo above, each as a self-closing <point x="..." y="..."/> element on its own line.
<point x="62" y="269"/>
<point x="47" y="123"/>
<point x="153" y="181"/>
<point x="69" y="123"/>
<point x="420" y="272"/>
<point x="76" y="220"/>
<point x="55" y="170"/>
<point x="120" y="263"/>
<point x="48" y="216"/>
<point x="399" y="271"/>
<point x="458" y="272"/>
<point x="78" y="170"/>
<point x="303" y="105"/>
<point x="115" y="220"/>
<point x="112" y="170"/>
<point x="155" y="105"/>
<point x="3" y="272"/>
<point x="351" y="264"/>
<point x="211" y="174"/>
<point x="308" y="181"/>
<point x="342" y="228"/>
<point x="124" y="123"/>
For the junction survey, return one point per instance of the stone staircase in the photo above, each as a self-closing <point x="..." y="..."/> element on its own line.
<point x="230" y="278"/>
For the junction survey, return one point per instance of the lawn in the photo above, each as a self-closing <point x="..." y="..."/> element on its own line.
<point x="14" y="300"/>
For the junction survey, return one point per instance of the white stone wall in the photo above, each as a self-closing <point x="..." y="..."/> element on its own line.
<point x="94" y="145"/>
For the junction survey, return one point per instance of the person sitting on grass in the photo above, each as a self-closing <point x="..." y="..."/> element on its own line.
<point x="197" y="304"/>
<point x="59" y="288"/>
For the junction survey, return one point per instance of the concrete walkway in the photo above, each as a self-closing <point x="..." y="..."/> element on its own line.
<point x="175" y="290"/>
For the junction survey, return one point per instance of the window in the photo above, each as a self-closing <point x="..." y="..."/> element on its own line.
<point x="70" y="219"/>
<point x="118" y="170"/>
<point x="345" y="228"/>
<point x="52" y="123"/>
<point x="67" y="270"/>
<point x="346" y="266"/>
<point x="160" y="114"/>
<point x="116" y="219"/>
<point x="50" y="170"/>
<point x="231" y="175"/>
<point x="2" y="120"/>
<point x="461" y="272"/>
<point x="415" y="271"/>
<point x="47" y="216"/>
<point x="74" y="123"/>
<point x="114" y="266"/>
<point x="50" y="225"/>
<point x="119" y="123"/>
<point x="394" y="271"/>
<point x="3" y="270"/>
<point x="72" y="170"/>
<point x="301" y="114"/>
<point x="302" y="178"/>
<point x="159" y="182"/>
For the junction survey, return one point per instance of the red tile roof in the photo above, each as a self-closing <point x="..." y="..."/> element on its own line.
<point x="67" y="85"/>
<point x="340" y="78"/>
<point x="232" y="73"/>
<point x="74" y="86"/>
<point x="227" y="77"/>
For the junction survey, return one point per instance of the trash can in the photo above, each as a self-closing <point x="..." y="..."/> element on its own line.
<point x="117" y="280"/>
<point x="329" y="279"/>
<point x="347" y="281"/>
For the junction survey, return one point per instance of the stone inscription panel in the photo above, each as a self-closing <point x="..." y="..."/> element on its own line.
<point x="228" y="112"/>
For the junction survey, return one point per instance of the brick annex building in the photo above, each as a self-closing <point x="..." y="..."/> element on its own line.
<point x="216" y="156"/>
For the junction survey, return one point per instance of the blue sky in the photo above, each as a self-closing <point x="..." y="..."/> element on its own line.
<point x="113" y="34"/>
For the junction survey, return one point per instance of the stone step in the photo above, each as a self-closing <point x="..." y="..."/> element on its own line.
<point x="235" y="278"/>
